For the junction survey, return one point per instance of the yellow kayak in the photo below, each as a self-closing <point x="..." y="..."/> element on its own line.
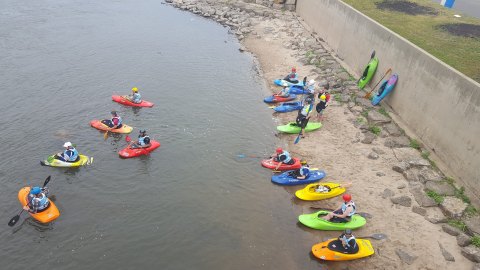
<point x="309" y="193"/>
<point x="325" y="250"/>
<point x="53" y="162"/>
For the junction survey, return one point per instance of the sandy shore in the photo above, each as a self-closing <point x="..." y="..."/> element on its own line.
<point x="346" y="150"/>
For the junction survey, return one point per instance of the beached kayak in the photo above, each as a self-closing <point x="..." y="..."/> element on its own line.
<point x="126" y="102"/>
<point x="297" y="90"/>
<point x="385" y="88"/>
<point x="280" y="82"/>
<point x="53" y="162"/>
<point x="332" y="250"/>
<point x="315" y="221"/>
<point x="271" y="164"/>
<point x="128" y="152"/>
<point x="368" y="73"/>
<point x="277" y="98"/>
<point x="293" y="128"/>
<point x="47" y="215"/>
<point x="309" y="193"/>
<point x="289" y="179"/>
<point x="101" y="126"/>
<point x="288" y="107"/>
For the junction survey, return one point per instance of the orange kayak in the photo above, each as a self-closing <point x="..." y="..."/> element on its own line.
<point x="47" y="215"/>
<point x="101" y="126"/>
<point x="325" y="251"/>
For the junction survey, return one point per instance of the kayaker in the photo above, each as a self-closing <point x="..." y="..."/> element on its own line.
<point x="303" y="115"/>
<point x="285" y="91"/>
<point x="344" y="212"/>
<point x="303" y="172"/>
<point x="310" y="87"/>
<point x="292" y="76"/>
<point x="115" y="122"/>
<point x="143" y="140"/>
<point x="37" y="200"/>
<point x="325" y="92"/>
<point x="69" y="155"/>
<point x="135" y="97"/>
<point x="346" y="243"/>
<point x="282" y="157"/>
<point x="322" y="104"/>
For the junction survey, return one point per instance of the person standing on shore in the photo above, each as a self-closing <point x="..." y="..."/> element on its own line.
<point x="322" y="104"/>
<point x="303" y="115"/>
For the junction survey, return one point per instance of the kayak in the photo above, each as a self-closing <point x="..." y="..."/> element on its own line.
<point x="280" y="82"/>
<point x="315" y="222"/>
<point x="331" y="250"/>
<point x="277" y="98"/>
<point x="368" y="73"/>
<point x="128" y="152"/>
<point x="385" y="88"/>
<point x="293" y="128"/>
<point x="271" y="164"/>
<point x="101" y="126"/>
<point x="52" y="161"/>
<point x="289" y="107"/>
<point x="288" y="179"/>
<point x="126" y="102"/>
<point x="297" y="90"/>
<point x="47" y="215"/>
<point x="309" y="194"/>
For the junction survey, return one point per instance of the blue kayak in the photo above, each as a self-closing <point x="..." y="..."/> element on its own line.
<point x="289" y="107"/>
<point x="280" y="82"/>
<point x="286" y="178"/>
<point x="385" y="88"/>
<point x="297" y="90"/>
<point x="277" y="98"/>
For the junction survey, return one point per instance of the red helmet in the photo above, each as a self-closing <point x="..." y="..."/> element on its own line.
<point x="279" y="150"/>
<point x="347" y="197"/>
<point x="294" y="69"/>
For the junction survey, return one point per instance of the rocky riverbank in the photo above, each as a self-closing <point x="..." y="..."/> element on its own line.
<point x="427" y="218"/>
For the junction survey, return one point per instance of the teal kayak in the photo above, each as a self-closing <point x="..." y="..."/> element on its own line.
<point x="293" y="128"/>
<point x="368" y="73"/>
<point x="315" y="221"/>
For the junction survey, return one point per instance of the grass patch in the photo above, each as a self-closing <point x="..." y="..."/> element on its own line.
<point x="460" y="193"/>
<point x="414" y="144"/>
<point x="375" y="130"/>
<point x="449" y="180"/>
<point x="476" y="241"/>
<point x="364" y="113"/>
<point x="426" y="32"/>
<point x="425" y="154"/>
<point x="384" y="112"/>
<point x="471" y="211"/>
<point x="360" y="120"/>
<point x="337" y="97"/>
<point x="435" y="196"/>
<point x="457" y="224"/>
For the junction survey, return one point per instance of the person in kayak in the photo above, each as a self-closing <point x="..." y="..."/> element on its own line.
<point x="37" y="200"/>
<point x="292" y="77"/>
<point x="303" y="115"/>
<point x="69" y="155"/>
<point x="282" y="157"/>
<point x="135" y="97"/>
<point x="322" y="104"/>
<point x="285" y="91"/>
<point x="143" y="140"/>
<point x="303" y="172"/>
<point x="115" y="122"/>
<point x="344" y="212"/>
<point x="345" y="243"/>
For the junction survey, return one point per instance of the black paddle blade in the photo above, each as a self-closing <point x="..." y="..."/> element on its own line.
<point x="46" y="181"/>
<point x="43" y="163"/>
<point x="13" y="221"/>
<point x="305" y="80"/>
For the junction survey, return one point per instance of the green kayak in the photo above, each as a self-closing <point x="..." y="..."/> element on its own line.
<point x="368" y="72"/>
<point x="293" y="128"/>
<point x="315" y="221"/>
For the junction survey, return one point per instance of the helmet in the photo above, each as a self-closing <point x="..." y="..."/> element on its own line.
<point x="35" y="190"/>
<point x="308" y="100"/>
<point x="279" y="150"/>
<point x="143" y="131"/>
<point x="303" y="162"/>
<point x="67" y="144"/>
<point x="135" y="89"/>
<point x="284" y="84"/>
<point x="323" y="97"/>
<point x="114" y="113"/>
<point x="347" y="197"/>
<point x="294" y="69"/>
<point x="311" y="82"/>
<point x="348" y="231"/>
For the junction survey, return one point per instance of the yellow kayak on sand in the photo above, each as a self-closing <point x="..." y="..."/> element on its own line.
<point x="309" y="193"/>
<point x="326" y="250"/>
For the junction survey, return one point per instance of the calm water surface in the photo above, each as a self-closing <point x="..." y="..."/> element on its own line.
<point x="191" y="204"/>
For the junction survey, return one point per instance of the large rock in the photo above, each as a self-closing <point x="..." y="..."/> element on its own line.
<point x="472" y="253"/>
<point x="473" y="224"/>
<point x="453" y="207"/>
<point x="393" y="130"/>
<point x="401" y="167"/>
<point x="442" y="188"/>
<point x="411" y="175"/>
<point x="419" y="162"/>
<point x="451" y="230"/>
<point x="435" y="215"/>
<point x="378" y="150"/>
<point x="397" y="142"/>
<point x="463" y="240"/>
<point x="387" y="193"/>
<point x="402" y="200"/>
<point x="405" y="257"/>
<point x="375" y="117"/>
<point x="428" y="174"/>
<point x="419" y="210"/>
<point x="422" y="198"/>
<point x="369" y="137"/>
<point x="448" y="257"/>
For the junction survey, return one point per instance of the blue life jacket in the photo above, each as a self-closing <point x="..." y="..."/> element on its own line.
<point x="347" y="240"/>
<point x="70" y="154"/>
<point x="137" y="98"/>
<point x="345" y="205"/>
<point x="286" y="155"/>
<point x="141" y="140"/>
<point x="42" y="202"/>
<point x="304" y="171"/>
<point x="119" y="120"/>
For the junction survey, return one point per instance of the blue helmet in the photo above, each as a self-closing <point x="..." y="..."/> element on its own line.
<point x="35" y="190"/>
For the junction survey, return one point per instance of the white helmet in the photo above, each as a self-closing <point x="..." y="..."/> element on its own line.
<point x="311" y="82"/>
<point x="67" y="144"/>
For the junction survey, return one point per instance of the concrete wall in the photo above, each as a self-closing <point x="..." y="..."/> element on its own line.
<point x="439" y="104"/>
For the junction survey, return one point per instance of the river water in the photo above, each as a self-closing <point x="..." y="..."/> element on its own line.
<point x="192" y="204"/>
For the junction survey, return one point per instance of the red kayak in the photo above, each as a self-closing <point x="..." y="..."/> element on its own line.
<point x="271" y="164"/>
<point x="135" y="152"/>
<point x="126" y="102"/>
<point x="277" y="98"/>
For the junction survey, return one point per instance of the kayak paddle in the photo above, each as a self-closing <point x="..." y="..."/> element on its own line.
<point x="301" y="130"/>
<point x="368" y="95"/>
<point x="376" y="236"/>
<point x="128" y="139"/>
<point x="15" y="219"/>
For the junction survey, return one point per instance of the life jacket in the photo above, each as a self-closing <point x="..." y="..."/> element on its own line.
<point x="345" y="205"/>
<point x="119" y="119"/>
<point x="293" y="76"/>
<point x="141" y="140"/>
<point x="71" y="154"/>
<point x="304" y="171"/>
<point x="42" y="202"/>
<point x="347" y="240"/>
<point x="285" y="92"/>
<point x="137" y="98"/>
<point x="306" y="109"/>
<point x="311" y="88"/>
<point x="286" y="155"/>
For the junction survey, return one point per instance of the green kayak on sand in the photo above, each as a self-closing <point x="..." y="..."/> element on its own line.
<point x="368" y="73"/>
<point x="315" y="221"/>
<point x="293" y="128"/>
